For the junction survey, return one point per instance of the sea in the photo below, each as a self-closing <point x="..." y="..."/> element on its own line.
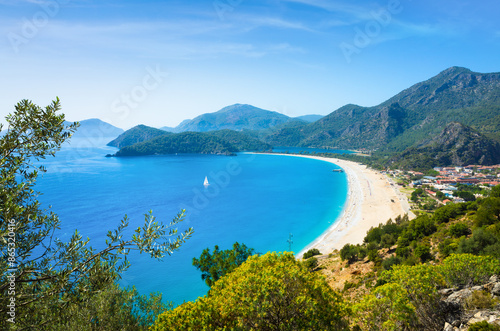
<point x="268" y="202"/>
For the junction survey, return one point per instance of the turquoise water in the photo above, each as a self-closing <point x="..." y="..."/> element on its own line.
<point x="253" y="199"/>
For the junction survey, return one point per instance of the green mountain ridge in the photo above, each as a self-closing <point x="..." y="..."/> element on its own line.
<point x="236" y="117"/>
<point x="457" y="145"/>
<point x="225" y="142"/>
<point x="136" y="135"/>
<point x="423" y="110"/>
<point x="93" y="128"/>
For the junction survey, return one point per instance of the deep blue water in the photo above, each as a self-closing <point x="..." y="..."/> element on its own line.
<point x="253" y="199"/>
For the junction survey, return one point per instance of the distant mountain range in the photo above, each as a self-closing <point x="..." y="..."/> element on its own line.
<point x="95" y="128"/>
<point x="310" y="118"/>
<point x="423" y="110"/>
<point x="453" y="118"/>
<point x="236" y="117"/>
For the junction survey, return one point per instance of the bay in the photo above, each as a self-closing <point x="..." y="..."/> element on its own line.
<point x="254" y="199"/>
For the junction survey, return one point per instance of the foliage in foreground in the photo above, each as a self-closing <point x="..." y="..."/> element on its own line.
<point x="409" y="299"/>
<point x="269" y="292"/>
<point x="219" y="263"/>
<point x="41" y="276"/>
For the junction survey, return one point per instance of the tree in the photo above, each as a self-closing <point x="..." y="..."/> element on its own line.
<point x="268" y="292"/>
<point x="310" y="253"/>
<point x="489" y="212"/>
<point x="466" y="195"/>
<point x="386" y="308"/>
<point x="468" y="269"/>
<point x="40" y="275"/>
<point x="215" y="265"/>
<point x="349" y="252"/>
<point x="495" y="192"/>
<point x="421" y="283"/>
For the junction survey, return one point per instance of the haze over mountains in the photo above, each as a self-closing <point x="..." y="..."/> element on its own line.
<point x="408" y="122"/>
<point x="238" y="117"/>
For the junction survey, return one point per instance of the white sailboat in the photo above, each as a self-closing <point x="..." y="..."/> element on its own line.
<point x="206" y="183"/>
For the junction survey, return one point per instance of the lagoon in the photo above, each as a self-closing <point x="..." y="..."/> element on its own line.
<point x="254" y="199"/>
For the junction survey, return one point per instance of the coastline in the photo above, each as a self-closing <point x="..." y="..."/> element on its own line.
<point x="371" y="200"/>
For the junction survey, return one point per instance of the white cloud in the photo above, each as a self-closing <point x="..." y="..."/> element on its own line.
<point x="275" y="22"/>
<point x="345" y="8"/>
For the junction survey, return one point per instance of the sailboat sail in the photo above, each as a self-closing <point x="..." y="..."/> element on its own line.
<point x="206" y="183"/>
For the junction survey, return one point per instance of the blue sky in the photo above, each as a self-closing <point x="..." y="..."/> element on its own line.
<point x="159" y="62"/>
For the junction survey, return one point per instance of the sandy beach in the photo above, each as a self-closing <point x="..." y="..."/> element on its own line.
<point x="372" y="199"/>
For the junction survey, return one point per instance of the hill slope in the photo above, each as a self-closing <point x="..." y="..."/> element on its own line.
<point x="95" y="128"/>
<point x="423" y="110"/>
<point x="236" y="117"/>
<point x="457" y="145"/>
<point x="218" y="142"/>
<point x="136" y="135"/>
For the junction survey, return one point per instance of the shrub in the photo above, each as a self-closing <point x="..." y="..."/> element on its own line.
<point x="388" y="240"/>
<point x="214" y="265"/>
<point x="459" y="229"/>
<point x="447" y="247"/>
<point x="268" y="292"/>
<point x="480" y="300"/>
<point x="388" y="263"/>
<point x="421" y="283"/>
<point x="478" y="243"/>
<point x="468" y="269"/>
<point x="349" y="253"/>
<point x="423" y="252"/>
<point x="488" y="212"/>
<point x="310" y="253"/>
<point x="386" y="308"/>
<point x="311" y="263"/>
<point x="445" y="213"/>
<point x="483" y="326"/>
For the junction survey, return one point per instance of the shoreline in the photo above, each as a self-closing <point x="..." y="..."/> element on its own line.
<point x="371" y="200"/>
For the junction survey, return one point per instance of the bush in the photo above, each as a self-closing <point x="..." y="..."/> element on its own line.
<point x="478" y="243"/>
<point x="445" y="213"/>
<point x="420" y="227"/>
<point x="310" y="253"/>
<point x="488" y="212"/>
<point x="218" y="263"/>
<point x="480" y="300"/>
<point x="483" y="326"/>
<point x="386" y="308"/>
<point x="417" y="287"/>
<point x="349" y="253"/>
<point x="459" y="229"/>
<point x="388" y="240"/>
<point x="423" y="252"/>
<point x="468" y="269"/>
<point x="447" y="247"/>
<point x="467" y="196"/>
<point x="388" y="263"/>
<point x="269" y="292"/>
<point x="311" y="263"/>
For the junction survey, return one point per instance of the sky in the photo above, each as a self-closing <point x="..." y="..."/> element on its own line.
<point x="158" y="62"/>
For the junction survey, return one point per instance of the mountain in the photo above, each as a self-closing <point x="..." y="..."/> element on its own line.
<point x="236" y="117"/>
<point x="95" y="128"/>
<point x="423" y="110"/>
<point x="218" y="142"/>
<point x="136" y="135"/>
<point x="310" y="118"/>
<point x="456" y="145"/>
<point x="171" y="129"/>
